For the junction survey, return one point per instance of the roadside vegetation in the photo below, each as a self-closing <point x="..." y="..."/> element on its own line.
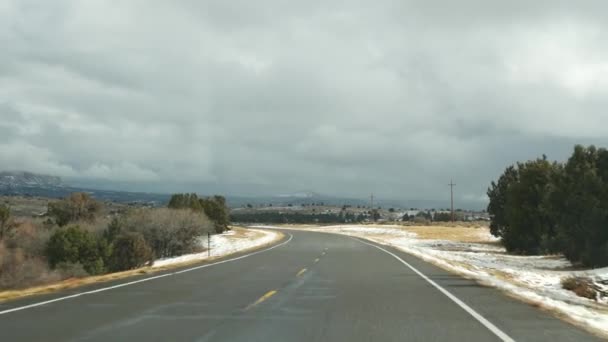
<point x="77" y="238"/>
<point x="214" y="208"/>
<point x="542" y="207"/>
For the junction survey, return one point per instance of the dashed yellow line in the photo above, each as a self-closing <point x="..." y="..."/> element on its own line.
<point x="301" y="272"/>
<point x="261" y="299"/>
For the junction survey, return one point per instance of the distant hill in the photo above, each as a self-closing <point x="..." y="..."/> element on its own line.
<point x="301" y="194"/>
<point x="31" y="184"/>
<point x="15" y="179"/>
<point x="23" y="183"/>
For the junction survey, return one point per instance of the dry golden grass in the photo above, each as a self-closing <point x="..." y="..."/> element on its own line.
<point x="297" y="226"/>
<point x="72" y="283"/>
<point x="451" y="233"/>
<point x="240" y="233"/>
<point x="473" y="232"/>
<point x="468" y="224"/>
<point x="582" y="286"/>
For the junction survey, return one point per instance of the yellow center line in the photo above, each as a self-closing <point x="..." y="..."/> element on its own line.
<point x="261" y="299"/>
<point x="301" y="272"/>
<point x="316" y="260"/>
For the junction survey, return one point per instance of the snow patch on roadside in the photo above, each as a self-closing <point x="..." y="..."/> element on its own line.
<point x="224" y="244"/>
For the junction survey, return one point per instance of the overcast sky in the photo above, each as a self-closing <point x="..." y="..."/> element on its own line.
<point x="341" y="98"/>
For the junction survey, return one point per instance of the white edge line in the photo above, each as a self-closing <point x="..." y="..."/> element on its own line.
<point x="140" y="280"/>
<point x="494" y="329"/>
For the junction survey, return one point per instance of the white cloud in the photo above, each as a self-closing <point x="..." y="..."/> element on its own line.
<point x="394" y="97"/>
<point x="124" y="171"/>
<point x="20" y="155"/>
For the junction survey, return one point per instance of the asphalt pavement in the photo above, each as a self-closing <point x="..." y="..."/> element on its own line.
<point x="313" y="287"/>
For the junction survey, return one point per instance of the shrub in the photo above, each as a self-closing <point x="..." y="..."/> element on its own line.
<point x="75" y="245"/>
<point x="421" y="220"/>
<point x="169" y="232"/>
<point x="71" y="270"/>
<point x="129" y="250"/>
<point x="113" y="230"/>
<point x="185" y="201"/>
<point x="29" y="236"/>
<point x="19" y="270"/>
<point x="77" y="206"/>
<point x="583" y="287"/>
<point x="442" y="217"/>
<point x="5" y="223"/>
<point x="214" y="207"/>
<point x="22" y="256"/>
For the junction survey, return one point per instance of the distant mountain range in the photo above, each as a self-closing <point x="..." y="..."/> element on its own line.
<point x="14" y="179"/>
<point x="301" y="194"/>
<point x="30" y="184"/>
<point x="25" y="183"/>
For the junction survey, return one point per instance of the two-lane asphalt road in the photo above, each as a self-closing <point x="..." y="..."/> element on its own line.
<point x="315" y="287"/>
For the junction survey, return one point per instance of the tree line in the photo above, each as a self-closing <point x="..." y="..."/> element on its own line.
<point x="540" y="207"/>
<point x="433" y="216"/>
<point x="280" y="217"/>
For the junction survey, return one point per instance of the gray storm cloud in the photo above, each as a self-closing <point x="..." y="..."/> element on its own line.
<point x="394" y="97"/>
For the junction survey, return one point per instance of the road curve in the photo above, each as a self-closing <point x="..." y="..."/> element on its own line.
<point x="316" y="287"/>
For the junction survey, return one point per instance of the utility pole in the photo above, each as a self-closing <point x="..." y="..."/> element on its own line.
<point x="371" y="210"/>
<point x="452" y="198"/>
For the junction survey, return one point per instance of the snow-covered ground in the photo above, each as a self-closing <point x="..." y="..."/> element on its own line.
<point x="224" y="244"/>
<point x="533" y="278"/>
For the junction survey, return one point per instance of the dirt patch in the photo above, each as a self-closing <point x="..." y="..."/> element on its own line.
<point x="241" y="233"/>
